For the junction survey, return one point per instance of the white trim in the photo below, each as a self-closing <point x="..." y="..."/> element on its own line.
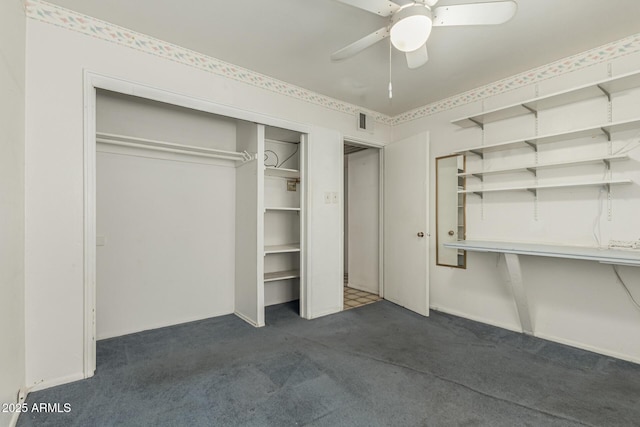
<point x="92" y="82"/>
<point x="478" y="319"/>
<point x="89" y="226"/>
<point x="247" y="319"/>
<point x="57" y="381"/>
<point x="381" y="225"/>
<point x="591" y="348"/>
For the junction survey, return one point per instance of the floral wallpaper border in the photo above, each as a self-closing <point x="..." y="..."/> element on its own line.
<point x="46" y="12"/>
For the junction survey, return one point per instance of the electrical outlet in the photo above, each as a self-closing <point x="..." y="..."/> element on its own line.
<point x="327" y="197"/>
<point x="334" y="197"/>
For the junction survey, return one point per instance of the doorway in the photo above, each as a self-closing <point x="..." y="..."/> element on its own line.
<point x="362" y="284"/>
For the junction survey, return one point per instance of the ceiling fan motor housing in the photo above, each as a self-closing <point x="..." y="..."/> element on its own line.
<point x="411" y="27"/>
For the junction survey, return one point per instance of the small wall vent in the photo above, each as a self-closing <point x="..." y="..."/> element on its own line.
<point x="364" y="122"/>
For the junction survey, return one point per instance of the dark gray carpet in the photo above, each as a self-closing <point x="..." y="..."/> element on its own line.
<point x="378" y="365"/>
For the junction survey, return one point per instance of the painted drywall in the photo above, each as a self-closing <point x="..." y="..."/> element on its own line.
<point x="324" y="168"/>
<point x="166" y="225"/>
<point x="12" y="87"/>
<point x="54" y="178"/>
<point x="363" y="232"/>
<point x="575" y="302"/>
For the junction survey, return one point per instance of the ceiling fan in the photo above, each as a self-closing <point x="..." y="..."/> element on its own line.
<point x="410" y="25"/>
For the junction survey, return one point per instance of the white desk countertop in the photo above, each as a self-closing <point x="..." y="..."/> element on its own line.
<point x="605" y="256"/>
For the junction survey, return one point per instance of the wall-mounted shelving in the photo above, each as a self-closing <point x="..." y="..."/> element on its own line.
<point x="605" y="87"/>
<point x="605" y="129"/>
<point x="592" y="134"/>
<point x="535" y="187"/>
<point x="535" y="167"/>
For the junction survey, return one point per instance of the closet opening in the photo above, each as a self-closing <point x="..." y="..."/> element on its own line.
<point x="198" y="215"/>
<point x="362" y="201"/>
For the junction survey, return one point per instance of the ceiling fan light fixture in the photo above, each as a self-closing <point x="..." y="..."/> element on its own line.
<point x="411" y="28"/>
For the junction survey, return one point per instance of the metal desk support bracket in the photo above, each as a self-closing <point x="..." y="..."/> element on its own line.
<point x="519" y="295"/>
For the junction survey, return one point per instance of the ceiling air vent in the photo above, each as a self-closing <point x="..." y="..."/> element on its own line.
<point x="364" y="122"/>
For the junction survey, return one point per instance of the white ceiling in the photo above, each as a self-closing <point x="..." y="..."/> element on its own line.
<point x="291" y="40"/>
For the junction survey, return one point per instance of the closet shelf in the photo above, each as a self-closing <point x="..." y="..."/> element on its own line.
<point x="279" y="208"/>
<point x="150" y="144"/>
<point x="535" y="187"/>
<point x="279" y="249"/>
<point x="282" y="172"/>
<point x="601" y="88"/>
<point x="605" y="129"/>
<point x="603" y="159"/>
<point x="281" y="275"/>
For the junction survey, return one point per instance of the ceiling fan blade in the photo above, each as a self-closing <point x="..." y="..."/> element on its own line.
<point x="360" y="45"/>
<point x="380" y="7"/>
<point x="430" y="3"/>
<point x="474" y="14"/>
<point x="418" y="57"/>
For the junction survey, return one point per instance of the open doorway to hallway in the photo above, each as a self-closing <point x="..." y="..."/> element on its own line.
<point x="361" y="225"/>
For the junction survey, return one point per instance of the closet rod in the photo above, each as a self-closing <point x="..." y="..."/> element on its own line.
<point x="130" y="141"/>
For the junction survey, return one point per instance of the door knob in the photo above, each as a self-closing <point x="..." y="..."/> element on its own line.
<point x="421" y="234"/>
<point x="451" y="233"/>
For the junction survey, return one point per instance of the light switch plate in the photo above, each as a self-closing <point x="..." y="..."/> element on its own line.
<point x="327" y="197"/>
<point x="334" y="197"/>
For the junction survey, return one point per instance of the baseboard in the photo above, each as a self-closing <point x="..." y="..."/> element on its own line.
<point x="543" y="336"/>
<point x="246" y="319"/>
<point x="587" y="347"/>
<point x="325" y="313"/>
<point x="476" y="318"/>
<point x="55" y="382"/>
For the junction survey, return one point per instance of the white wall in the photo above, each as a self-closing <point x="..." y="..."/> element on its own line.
<point x="363" y="232"/>
<point x="574" y="302"/>
<point x="56" y="58"/>
<point x="12" y="87"/>
<point x="324" y="168"/>
<point x="167" y="223"/>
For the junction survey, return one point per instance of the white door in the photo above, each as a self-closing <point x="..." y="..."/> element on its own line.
<point x="406" y="234"/>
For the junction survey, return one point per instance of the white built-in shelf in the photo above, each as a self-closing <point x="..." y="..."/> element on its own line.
<point x="605" y="129"/>
<point x="602" y="88"/>
<point x="280" y="249"/>
<point x="170" y="147"/>
<point x="536" y="187"/>
<point x="283" y="209"/>
<point x="281" y="275"/>
<point x="282" y="172"/>
<point x="606" y="256"/>
<point x="539" y="166"/>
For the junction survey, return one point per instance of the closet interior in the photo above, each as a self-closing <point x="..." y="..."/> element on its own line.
<point x="198" y="215"/>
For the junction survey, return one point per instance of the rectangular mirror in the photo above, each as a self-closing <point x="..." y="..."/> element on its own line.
<point x="450" y="210"/>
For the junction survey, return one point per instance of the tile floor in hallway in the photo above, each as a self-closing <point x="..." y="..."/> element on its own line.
<point x="355" y="298"/>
